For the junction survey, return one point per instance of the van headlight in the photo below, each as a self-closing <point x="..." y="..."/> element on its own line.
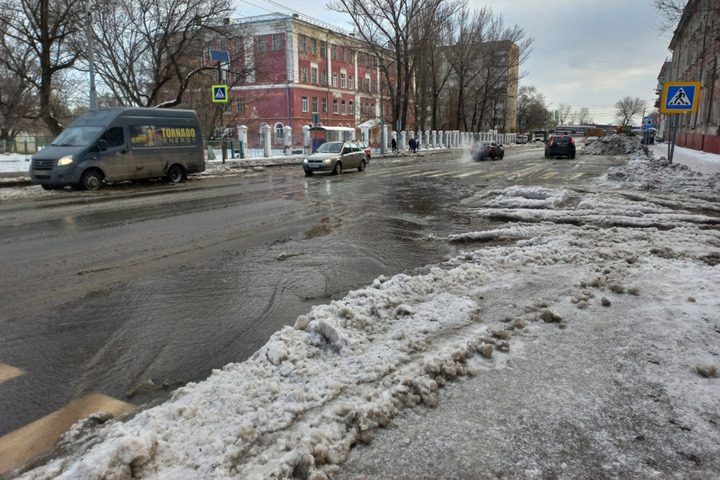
<point x="65" y="161"/>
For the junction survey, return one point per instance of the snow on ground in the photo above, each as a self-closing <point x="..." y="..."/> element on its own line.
<point x="579" y="340"/>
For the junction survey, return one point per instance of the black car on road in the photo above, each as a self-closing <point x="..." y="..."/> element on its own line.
<point x="485" y="150"/>
<point x="560" y="146"/>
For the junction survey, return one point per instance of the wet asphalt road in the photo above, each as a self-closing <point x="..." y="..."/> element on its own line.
<point x="138" y="289"/>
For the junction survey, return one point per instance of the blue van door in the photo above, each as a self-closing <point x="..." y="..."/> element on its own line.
<point x="114" y="160"/>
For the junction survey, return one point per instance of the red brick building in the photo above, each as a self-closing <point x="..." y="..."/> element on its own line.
<point x="295" y="67"/>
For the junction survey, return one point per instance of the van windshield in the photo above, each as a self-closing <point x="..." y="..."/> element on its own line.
<point x="77" y="136"/>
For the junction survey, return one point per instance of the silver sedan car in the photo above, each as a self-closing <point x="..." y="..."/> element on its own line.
<point x="334" y="157"/>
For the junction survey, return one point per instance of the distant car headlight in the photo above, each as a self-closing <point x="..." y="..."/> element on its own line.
<point x="65" y="161"/>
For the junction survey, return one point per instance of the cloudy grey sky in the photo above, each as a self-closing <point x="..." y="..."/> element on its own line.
<point x="586" y="53"/>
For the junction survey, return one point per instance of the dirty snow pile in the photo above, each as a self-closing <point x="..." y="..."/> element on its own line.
<point x="564" y="261"/>
<point x="657" y="173"/>
<point x="615" y="145"/>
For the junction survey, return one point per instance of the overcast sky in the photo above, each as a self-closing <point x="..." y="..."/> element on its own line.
<point x="586" y="53"/>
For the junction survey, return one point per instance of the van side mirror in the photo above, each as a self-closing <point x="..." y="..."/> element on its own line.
<point x="102" y="145"/>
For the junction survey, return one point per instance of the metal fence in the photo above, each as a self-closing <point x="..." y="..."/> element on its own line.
<point x="24" y="145"/>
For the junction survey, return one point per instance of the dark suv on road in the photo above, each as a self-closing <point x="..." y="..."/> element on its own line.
<point x="560" y="146"/>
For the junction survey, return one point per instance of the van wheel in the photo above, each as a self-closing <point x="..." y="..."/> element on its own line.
<point x="176" y="174"/>
<point x="91" y="180"/>
<point x="338" y="168"/>
<point x="361" y="167"/>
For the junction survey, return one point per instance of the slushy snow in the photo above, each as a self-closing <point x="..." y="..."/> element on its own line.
<point x="638" y="252"/>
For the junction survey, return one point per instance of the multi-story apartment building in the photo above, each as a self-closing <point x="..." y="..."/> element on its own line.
<point x="696" y="57"/>
<point x="294" y="67"/>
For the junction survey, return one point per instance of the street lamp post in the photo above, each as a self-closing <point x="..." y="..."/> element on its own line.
<point x="93" y="93"/>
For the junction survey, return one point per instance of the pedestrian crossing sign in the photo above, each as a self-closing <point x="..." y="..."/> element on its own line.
<point x="680" y="97"/>
<point x="219" y="93"/>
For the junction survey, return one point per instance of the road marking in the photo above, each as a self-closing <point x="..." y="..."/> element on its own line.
<point x="575" y="176"/>
<point x="548" y="175"/>
<point x="478" y="172"/>
<point x="7" y="372"/>
<point x="441" y="174"/>
<point x="39" y="436"/>
<point x="422" y="174"/>
<point x="494" y="174"/>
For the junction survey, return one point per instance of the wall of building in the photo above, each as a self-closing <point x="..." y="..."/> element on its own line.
<point x="696" y="57"/>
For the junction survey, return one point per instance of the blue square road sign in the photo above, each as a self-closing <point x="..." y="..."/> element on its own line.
<point x="219" y="93"/>
<point x="680" y="97"/>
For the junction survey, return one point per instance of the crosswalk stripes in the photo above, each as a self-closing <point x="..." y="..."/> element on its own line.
<point x="7" y="372"/>
<point x="463" y="173"/>
<point x="21" y="445"/>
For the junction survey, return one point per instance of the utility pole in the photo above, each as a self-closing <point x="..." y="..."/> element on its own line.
<point x="91" y="61"/>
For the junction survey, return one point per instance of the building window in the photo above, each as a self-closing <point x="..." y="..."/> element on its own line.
<point x="343" y="82"/>
<point x="227" y="107"/>
<point x="335" y="106"/>
<point x="238" y="46"/>
<point x="323" y="48"/>
<point x="342" y="107"/>
<point x="374" y="86"/>
<point x="342" y="53"/>
<point x="361" y="59"/>
<point x="351" y="82"/>
<point x="323" y="77"/>
<point x="305" y="105"/>
<point x="333" y="50"/>
<point x="277" y="41"/>
<point x="335" y="79"/>
<point x="351" y="56"/>
<point x="314" y="104"/>
<point x="313" y="46"/>
<point x="262" y="43"/>
<point x="279" y="133"/>
<point x="240" y="104"/>
<point x="324" y="105"/>
<point x="351" y="107"/>
<point x="314" y="75"/>
<point x="361" y="82"/>
<point x="303" y="43"/>
<point x="303" y="74"/>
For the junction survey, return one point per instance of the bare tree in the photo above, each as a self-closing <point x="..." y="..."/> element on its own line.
<point x="148" y="50"/>
<point x="582" y="116"/>
<point x="504" y="49"/>
<point x="433" y="62"/>
<point x="627" y="108"/>
<point x="531" y="107"/>
<point x="17" y="101"/>
<point x="668" y="13"/>
<point x="38" y="43"/>
<point x="563" y="113"/>
<point x="463" y="54"/>
<point x="387" y="27"/>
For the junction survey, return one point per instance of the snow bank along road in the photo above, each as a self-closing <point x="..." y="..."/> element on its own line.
<point x="580" y="340"/>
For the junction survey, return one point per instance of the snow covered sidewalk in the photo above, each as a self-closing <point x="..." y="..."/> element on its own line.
<point x="580" y="340"/>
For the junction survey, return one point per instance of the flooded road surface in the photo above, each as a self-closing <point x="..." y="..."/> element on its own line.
<point x="133" y="291"/>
